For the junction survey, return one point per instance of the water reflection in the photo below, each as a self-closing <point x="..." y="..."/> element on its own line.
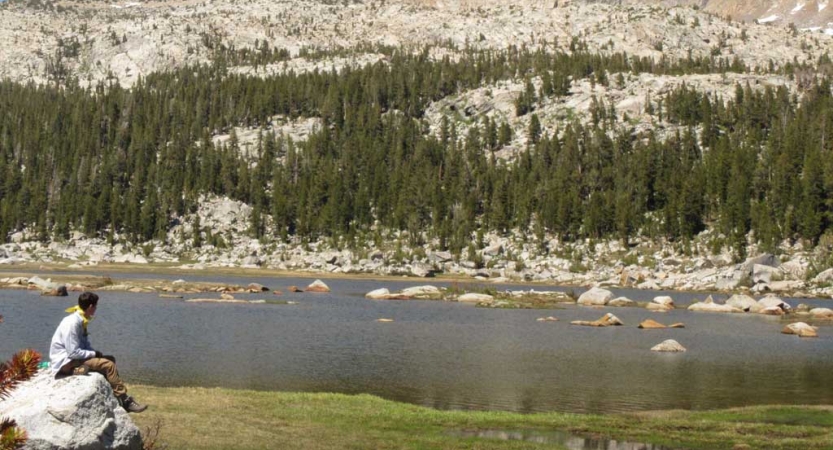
<point x="563" y="439"/>
<point x="443" y="355"/>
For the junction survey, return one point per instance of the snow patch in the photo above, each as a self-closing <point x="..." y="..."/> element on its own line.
<point x="768" y="19"/>
<point x="821" y="5"/>
<point x="798" y="7"/>
<point x="828" y="31"/>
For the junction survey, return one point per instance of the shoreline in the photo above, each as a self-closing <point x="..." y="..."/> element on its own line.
<point x="188" y="418"/>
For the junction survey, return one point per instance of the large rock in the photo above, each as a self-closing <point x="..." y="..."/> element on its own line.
<point x="44" y="285"/>
<point x="709" y="305"/>
<point x="770" y="301"/>
<point x="475" y="298"/>
<point x="669" y="345"/>
<point x="800" y="329"/>
<point x="764" y="274"/>
<point x="422" y="270"/>
<point x="766" y="259"/>
<point x="744" y="302"/>
<point x="595" y="297"/>
<point x="78" y="412"/>
<point x="664" y="300"/>
<point x="824" y="277"/>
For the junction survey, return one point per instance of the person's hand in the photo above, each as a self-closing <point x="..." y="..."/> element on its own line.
<point x="98" y="354"/>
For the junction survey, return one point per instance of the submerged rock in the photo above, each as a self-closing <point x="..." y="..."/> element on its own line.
<point x="621" y="301"/>
<point x="606" y="321"/>
<point x="651" y="325"/>
<point x="76" y="412"/>
<point x="822" y="313"/>
<point x="800" y="329"/>
<point x="378" y="294"/>
<point x="669" y="345"/>
<point x="547" y="319"/>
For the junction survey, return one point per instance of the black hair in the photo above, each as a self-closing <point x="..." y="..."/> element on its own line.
<point x="87" y="299"/>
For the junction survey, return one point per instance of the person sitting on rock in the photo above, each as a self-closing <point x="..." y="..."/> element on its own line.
<point x="71" y="354"/>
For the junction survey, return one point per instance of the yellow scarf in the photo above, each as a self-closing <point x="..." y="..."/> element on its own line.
<point x="84" y="317"/>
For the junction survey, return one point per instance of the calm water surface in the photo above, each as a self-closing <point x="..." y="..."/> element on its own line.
<point x="443" y="355"/>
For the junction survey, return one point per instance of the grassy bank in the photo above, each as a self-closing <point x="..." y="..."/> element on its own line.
<point x="198" y="418"/>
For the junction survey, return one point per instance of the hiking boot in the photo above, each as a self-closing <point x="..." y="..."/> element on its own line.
<point x="81" y="370"/>
<point x="131" y="405"/>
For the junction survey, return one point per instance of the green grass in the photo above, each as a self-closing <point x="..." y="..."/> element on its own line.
<point x="200" y="418"/>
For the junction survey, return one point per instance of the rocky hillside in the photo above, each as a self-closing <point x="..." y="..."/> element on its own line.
<point x="95" y="41"/>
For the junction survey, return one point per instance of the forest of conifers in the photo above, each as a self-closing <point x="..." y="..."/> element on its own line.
<point x="112" y="161"/>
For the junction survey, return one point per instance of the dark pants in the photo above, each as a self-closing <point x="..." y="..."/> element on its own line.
<point x="104" y="366"/>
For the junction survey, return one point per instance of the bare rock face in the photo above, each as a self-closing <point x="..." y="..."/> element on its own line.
<point x="595" y="297"/>
<point x="621" y="301"/>
<point x="800" y="329"/>
<point x="77" y="412"/>
<point x="669" y="345"/>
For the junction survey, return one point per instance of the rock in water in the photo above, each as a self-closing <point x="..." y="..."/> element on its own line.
<point x="595" y="297"/>
<point x="60" y="291"/>
<point x="475" y="298"/>
<point x="606" y="321"/>
<point x="669" y="345"/>
<point x="73" y="412"/>
<point x="378" y="294"/>
<point x="744" y="302"/>
<point x="800" y="329"/>
<point x="547" y="319"/>
<point x="621" y="301"/>
<point x="822" y="313"/>
<point x="651" y="325"/>
<point x="318" y="286"/>
<point x="664" y="300"/>
<point x="710" y="306"/>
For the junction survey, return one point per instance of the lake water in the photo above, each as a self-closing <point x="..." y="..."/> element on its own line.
<point x="443" y="355"/>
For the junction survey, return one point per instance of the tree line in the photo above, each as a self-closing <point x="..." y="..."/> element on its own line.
<point x="128" y="163"/>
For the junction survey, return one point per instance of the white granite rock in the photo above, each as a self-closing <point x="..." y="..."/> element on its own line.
<point x="595" y="297"/>
<point x="669" y="345"/>
<point x="77" y="412"/>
